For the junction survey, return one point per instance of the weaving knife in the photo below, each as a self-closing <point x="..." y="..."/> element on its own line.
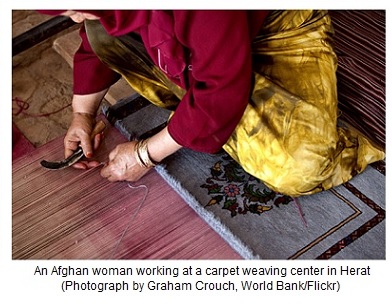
<point x="74" y="157"/>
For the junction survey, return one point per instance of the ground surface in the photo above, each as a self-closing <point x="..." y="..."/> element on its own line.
<point x="41" y="81"/>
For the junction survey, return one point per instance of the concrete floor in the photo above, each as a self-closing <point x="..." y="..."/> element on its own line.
<point x="41" y="81"/>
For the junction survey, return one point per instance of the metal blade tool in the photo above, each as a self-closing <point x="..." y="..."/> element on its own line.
<point x="76" y="156"/>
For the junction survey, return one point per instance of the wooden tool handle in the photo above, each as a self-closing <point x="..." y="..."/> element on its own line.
<point x="98" y="128"/>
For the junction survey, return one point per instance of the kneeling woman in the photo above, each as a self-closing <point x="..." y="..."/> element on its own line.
<point x="259" y="84"/>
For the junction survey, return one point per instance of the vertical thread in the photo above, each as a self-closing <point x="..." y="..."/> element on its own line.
<point x="133" y="216"/>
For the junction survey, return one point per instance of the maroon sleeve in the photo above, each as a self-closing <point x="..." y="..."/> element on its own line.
<point x="90" y="75"/>
<point x="221" y="70"/>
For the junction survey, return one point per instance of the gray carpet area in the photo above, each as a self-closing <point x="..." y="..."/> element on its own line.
<point x="347" y="222"/>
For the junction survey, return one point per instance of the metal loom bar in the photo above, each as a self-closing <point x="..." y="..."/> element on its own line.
<point x="40" y="33"/>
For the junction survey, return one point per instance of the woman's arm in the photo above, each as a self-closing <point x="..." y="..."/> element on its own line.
<point x="221" y="77"/>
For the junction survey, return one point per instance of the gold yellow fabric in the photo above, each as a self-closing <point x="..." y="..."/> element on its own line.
<point x="288" y="136"/>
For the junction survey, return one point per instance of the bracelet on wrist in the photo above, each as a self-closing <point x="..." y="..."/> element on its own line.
<point x="142" y="155"/>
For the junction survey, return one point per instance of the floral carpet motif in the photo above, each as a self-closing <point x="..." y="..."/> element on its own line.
<point x="239" y="193"/>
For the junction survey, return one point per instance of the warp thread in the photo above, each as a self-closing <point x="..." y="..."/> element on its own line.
<point x="301" y="213"/>
<point x="133" y="216"/>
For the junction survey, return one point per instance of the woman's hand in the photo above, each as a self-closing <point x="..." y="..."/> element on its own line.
<point x="79" y="134"/>
<point x="122" y="165"/>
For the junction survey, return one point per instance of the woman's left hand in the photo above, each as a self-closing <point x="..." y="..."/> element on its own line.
<point x="122" y="165"/>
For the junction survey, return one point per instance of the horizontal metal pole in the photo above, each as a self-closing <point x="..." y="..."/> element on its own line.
<point x="40" y="33"/>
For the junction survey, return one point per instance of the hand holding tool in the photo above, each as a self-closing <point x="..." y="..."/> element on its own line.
<point x="77" y="155"/>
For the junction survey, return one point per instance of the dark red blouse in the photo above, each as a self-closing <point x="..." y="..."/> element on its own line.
<point x="206" y="52"/>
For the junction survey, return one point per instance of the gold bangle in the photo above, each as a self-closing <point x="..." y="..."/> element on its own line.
<point x="137" y="156"/>
<point x="146" y="155"/>
<point x="142" y="155"/>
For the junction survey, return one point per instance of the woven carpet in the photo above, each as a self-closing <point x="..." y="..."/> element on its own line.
<point x="344" y="223"/>
<point x="73" y="214"/>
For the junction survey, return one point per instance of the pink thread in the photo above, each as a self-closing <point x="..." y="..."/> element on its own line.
<point x="22" y="106"/>
<point x="301" y="213"/>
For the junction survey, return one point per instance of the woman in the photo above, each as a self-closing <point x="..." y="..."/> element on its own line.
<point x="261" y="85"/>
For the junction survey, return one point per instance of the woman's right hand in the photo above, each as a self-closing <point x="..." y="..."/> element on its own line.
<point x="79" y="134"/>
